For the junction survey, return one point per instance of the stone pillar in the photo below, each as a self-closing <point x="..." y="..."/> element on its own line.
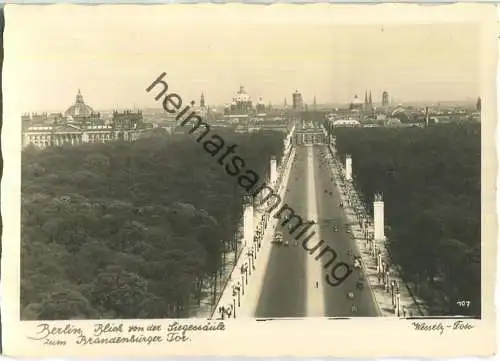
<point x="273" y="175"/>
<point x="378" y="217"/>
<point x="348" y="167"/>
<point x="248" y="221"/>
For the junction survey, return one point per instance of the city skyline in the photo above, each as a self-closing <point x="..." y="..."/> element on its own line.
<point x="112" y="64"/>
<point x="393" y="102"/>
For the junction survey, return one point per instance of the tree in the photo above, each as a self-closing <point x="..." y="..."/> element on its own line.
<point x="122" y="222"/>
<point x="430" y="179"/>
<point x="119" y="290"/>
<point x="64" y="304"/>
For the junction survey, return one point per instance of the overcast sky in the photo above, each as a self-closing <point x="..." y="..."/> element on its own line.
<point x="113" y="53"/>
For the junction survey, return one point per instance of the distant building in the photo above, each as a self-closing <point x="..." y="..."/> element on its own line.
<point x="244" y="113"/>
<point x="203" y="110"/>
<point x="346" y="123"/>
<point x="297" y="101"/>
<point x="240" y="109"/>
<point x="260" y="108"/>
<point x="127" y="120"/>
<point x="81" y="113"/>
<point x="356" y="104"/>
<point x="476" y="116"/>
<point x="202" y="101"/>
<point x="385" y="99"/>
<point x="241" y="104"/>
<point x="80" y="124"/>
<point x="356" y="109"/>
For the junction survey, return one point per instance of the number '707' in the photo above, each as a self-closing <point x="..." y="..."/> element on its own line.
<point x="463" y="303"/>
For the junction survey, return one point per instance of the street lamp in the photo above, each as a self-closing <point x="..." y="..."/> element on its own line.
<point x="397" y="298"/>
<point x="236" y="292"/>
<point x="387" y="276"/>
<point x="393" y="287"/>
<point x="379" y="266"/>
<point x="231" y="310"/>
<point x="249" y="254"/>
<point x="242" y="270"/>
<point x="222" y="311"/>
<point x="246" y="273"/>
<point x="381" y="270"/>
<point x="386" y="282"/>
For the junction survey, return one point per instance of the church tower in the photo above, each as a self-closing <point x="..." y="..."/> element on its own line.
<point x="202" y="101"/>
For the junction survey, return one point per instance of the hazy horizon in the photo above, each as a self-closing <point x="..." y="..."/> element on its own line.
<point x="112" y="56"/>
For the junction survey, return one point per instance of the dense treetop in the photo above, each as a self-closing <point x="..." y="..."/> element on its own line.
<point x="431" y="182"/>
<point x="128" y="230"/>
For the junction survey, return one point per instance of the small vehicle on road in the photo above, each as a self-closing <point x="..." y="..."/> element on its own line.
<point x="286" y="243"/>
<point x="354" y="308"/>
<point x="360" y="285"/>
<point x="350" y="295"/>
<point x="278" y="238"/>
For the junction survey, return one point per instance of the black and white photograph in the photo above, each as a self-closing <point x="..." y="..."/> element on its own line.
<point x="209" y="166"/>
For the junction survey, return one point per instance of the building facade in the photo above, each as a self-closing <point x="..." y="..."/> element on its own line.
<point x="79" y="125"/>
<point x="243" y="111"/>
<point x="385" y="99"/>
<point x="297" y="101"/>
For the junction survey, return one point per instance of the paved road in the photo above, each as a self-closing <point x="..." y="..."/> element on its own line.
<point x="289" y="288"/>
<point x="283" y="290"/>
<point x="336" y="302"/>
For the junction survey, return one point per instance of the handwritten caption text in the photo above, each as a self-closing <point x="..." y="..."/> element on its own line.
<point x="119" y="333"/>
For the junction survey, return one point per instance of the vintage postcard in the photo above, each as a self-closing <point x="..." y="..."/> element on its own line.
<point x="249" y="180"/>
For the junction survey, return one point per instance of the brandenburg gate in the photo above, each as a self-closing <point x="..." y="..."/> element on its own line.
<point x="310" y="136"/>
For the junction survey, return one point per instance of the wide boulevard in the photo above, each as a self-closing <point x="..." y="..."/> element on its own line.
<point x="294" y="283"/>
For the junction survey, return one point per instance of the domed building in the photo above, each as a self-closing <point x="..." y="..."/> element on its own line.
<point x="80" y="112"/>
<point x="242" y="103"/>
<point x="356" y="104"/>
<point x="81" y="124"/>
<point x="240" y="109"/>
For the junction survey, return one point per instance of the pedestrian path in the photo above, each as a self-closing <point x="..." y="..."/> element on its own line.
<point x="384" y="293"/>
<point x="240" y="297"/>
<point x="206" y="307"/>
